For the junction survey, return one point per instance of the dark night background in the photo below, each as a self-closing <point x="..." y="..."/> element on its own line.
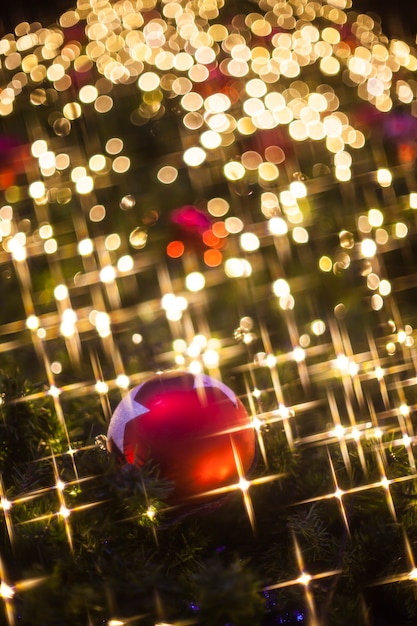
<point x="399" y="18"/>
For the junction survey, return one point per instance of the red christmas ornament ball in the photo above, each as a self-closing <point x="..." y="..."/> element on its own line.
<point x="193" y="426"/>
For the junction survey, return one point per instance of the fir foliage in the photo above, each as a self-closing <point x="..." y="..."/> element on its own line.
<point x="124" y="554"/>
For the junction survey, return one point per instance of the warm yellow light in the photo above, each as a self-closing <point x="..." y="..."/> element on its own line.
<point x="32" y="322"/>
<point x="121" y="164"/>
<point x="234" y="170"/>
<point x="107" y="274"/>
<point x="194" y="156"/>
<point x="101" y="387"/>
<point x="304" y="579"/>
<point x="85" y="247"/>
<point x="277" y="226"/>
<point x="167" y="175"/>
<point x="244" y="484"/>
<point x="39" y="147"/>
<point x="368" y="248"/>
<point x="125" y="263"/>
<point x="375" y="217"/>
<point x="236" y="268"/>
<point x="384" y="177"/>
<point x="148" y="81"/>
<point x="54" y="391"/>
<point x="281" y="288"/>
<point x="413" y="200"/>
<point x="195" y="281"/>
<point x="122" y="381"/>
<point x="298" y="354"/>
<point x="61" y="292"/>
<point x="87" y="94"/>
<point x="249" y="242"/>
<point x="37" y="190"/>
<point x="6" y="591"/>
<point x="97" y="162"/>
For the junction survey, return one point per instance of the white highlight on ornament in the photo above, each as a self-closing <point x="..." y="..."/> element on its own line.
<point x="127" y="410"/>
<point x="202" y="380"/>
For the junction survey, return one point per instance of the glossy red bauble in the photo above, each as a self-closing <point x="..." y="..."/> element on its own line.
<point x="193" y="426"/>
